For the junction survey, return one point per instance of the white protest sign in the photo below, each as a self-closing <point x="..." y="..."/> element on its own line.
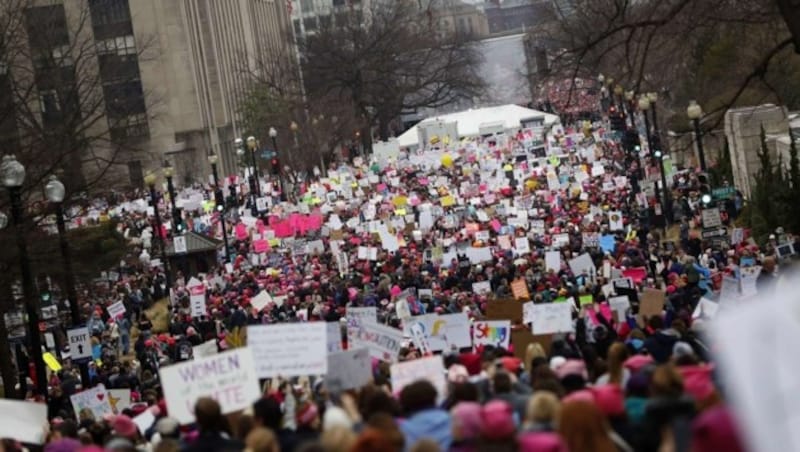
<point x="116" y="310"/>
<point x="262" y="204"/>
<point x="620" y="305"/>
<point x="197" y="297"/>
<point x="549" y="318"/>
<point x="144" y="421"/>
<point x="119" y="399"/>
<point x="402" y="309"/>
<point x="334" y="336"/>
<point x="179" y="243"/>
<point x="348" y="369"/>
<point x="494" y="332"/>
<point x="482" y="287"/>
<point x="229" y="377"/>
<point x="552" y="261"/>
<point x="522" y="246"/>
<point x="289" y="349"/>
<point x="382" y="341"/>
<point x="261" y="300"/>
<point x="93" y="399"/>
<point x="80" y="343"/>
<point x="207" y="348"/>
<point x="527" y="312"/>
<point x="430" y="368"/>
<point x="582" y="264"/>
<point x="356" y="317"/>
<point x="23" y="421"/>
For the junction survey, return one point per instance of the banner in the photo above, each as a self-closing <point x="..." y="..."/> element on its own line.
<point x="383" y="342"/>
<point x="289" y="349"/>
<point x="229" y="377"/>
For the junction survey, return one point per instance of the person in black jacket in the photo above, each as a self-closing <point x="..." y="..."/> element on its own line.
<point x="214" y="436"/>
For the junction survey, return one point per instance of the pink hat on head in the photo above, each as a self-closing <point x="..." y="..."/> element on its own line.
<point x="498" y="420"/>
<point x="124" y="426"/>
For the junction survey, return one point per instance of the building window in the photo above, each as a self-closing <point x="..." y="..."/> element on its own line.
<point x="297" y="29"/>
<point x="48" y="102"/>
<point x="121" y="45"/>
<point x="106" y="12"/>
<point x="306" y="6"/>
<point x="310" y="24"/>
<point x="132" y="126"/>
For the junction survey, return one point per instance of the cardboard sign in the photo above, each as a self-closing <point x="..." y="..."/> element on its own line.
<point x="350" y="369"/>
<point x="651" y="303"/>
<point x="504" y="310"/>
<point x="519" y="288"/>
<point x="93" y="399"/>
<point x="228" y="377"/>
<point x="383" y="342"/>
<point x="430" y="368"/>
<point x="493" y="332"/>
<point x="23" y="421"/>
<point x="289" y="349"/>
<point x="551" y="318"/>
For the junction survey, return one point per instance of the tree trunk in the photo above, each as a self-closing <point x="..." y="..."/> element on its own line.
<point x="790" y="10"/>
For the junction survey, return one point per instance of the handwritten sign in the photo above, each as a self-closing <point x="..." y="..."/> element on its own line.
<point x="289" y="349"/>
<point x="519" y="288"/>
<point x="493" y="332"/>
<point x="552" y="318"/>
<point x="229" y="377"/>
<point x="383" y="342"/>
<point x="482" y="287"/>
<point x="94" y="400"/>
<point x="430" y="368"/>
<point x="197" y="297"/>
<point x="348" y="369"/>
<point x="356" y="317"/>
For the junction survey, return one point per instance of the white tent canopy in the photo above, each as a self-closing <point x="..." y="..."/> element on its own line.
<point x="469" y="122"/>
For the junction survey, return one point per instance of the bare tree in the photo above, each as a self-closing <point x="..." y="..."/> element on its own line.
<point x="70" y="95"/>
<point x="720" y="52"/>
<point x="389" y="59"/>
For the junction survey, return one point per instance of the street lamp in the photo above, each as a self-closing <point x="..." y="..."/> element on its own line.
<point x="629" y="95"/>
<point x="12" y="176"/>
<point x="150" y="180"/>
<point x="276" y="161"/>
<point x="220" y="199"/>
<point x="695" y="112"/>
<point x="252" y="144"/>
<point x="54" y="191"/>
<point x="169" y="171"/>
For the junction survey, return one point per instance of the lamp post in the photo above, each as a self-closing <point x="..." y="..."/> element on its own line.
<point x="169" y="171"/>
<point x="150" y="180"/>
<point x="695" y="112"/>
<point x="629" y="105"/>
<point x="253" y="183"/>
<point x="610" y="88"/>
<point x="618" y="92"/>
<point x="653" y="96"/>
<point x="276" y="161"/>
<point x="54" y="191"/>
<point x="12" y="175"/>
<point x="252" y="144"/>
<point x="212" y="159"/>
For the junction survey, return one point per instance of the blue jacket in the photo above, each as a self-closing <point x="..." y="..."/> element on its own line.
<point x="433" y="424"/>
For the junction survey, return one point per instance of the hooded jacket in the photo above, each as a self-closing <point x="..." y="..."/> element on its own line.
<point x="660" y="344"/>
<point x="433" y="424"/>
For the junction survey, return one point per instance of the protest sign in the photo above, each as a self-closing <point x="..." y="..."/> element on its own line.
<point x="582" y="265"/>
<point x="289" y="349"/>
<point x="527" y="312"/>
<point x="506" y="309"/>
<point x="522" y="246"/>
<point x="94" y="399"/>
<point x="620" y="306"/>
<point x="482" y="287"/>
<point x="260" y="301"/>
<point x="430" y="368"/>
<point x="383" y="342"/>
<point x="197" y="297"/>
<point x="23" y="421"/>
<point x="334" y="336"/>
<point x="651" y="303"/>
<point x="356" y="317"/>
<point x="119" y="399"/>
<point x="144" y="421"/>
<point x="493" y="332"/>
<point x="207" y="348"/>
<point x="228" y="377"/>
<point x="519" y="288"/>
<point x="552" y="261"/>
<point x="442" y="332"/>
<point x="116" y="310"/>
<point x="551" y="318"/>
<point x="350" y="369"/>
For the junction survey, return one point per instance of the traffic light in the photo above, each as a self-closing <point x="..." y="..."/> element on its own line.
<point x="177" y="219"/>
<point x="617" y="119"/>
<point x="219" y="200"/>
<point x="630" y="141"/>
<point x="275" y="165"/>
<point x="232" y="199"/>
<point x="705" y="188"/>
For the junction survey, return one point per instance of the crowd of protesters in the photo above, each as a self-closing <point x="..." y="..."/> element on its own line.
<point x="617" y="383"/>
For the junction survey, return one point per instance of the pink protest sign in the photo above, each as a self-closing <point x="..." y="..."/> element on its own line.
<point x="241" y="231"/>
<point x="260" y="246"/>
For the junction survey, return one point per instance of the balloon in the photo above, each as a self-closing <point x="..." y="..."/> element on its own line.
<point x="447" y="160"/>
